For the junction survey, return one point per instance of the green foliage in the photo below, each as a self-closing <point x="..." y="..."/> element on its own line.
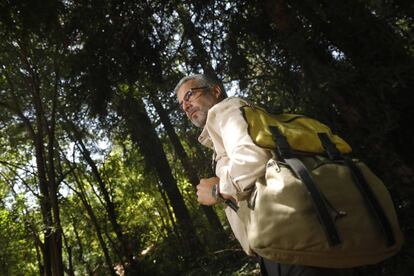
<point x="17" y="253"/>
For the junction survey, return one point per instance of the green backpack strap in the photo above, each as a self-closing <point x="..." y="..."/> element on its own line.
<point x="371" y="201"/>
<point x="285" y="153"/>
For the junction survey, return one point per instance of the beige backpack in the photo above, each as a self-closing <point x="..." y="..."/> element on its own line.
<point x="315" y="206"/>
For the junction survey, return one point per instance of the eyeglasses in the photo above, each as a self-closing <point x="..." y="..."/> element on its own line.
<point x="189" y="96"/>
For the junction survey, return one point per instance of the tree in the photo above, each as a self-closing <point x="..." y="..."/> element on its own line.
<point x="26" y="88"/>
<point x="127" y="102"/>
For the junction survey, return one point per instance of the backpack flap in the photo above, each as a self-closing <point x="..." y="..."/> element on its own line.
<point x="301" y="132"/>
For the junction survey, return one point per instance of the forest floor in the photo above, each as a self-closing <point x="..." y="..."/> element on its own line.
<point x="231" y="262"/>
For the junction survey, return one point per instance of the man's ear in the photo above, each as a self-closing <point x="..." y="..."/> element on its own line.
<point x="217" y="91"/>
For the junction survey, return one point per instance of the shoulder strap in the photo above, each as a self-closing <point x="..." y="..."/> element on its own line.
<point x="370" y="200"/>
<point x="302" y="172"/>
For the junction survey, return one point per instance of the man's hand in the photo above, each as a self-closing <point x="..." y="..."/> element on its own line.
<point x="204" y="190"/>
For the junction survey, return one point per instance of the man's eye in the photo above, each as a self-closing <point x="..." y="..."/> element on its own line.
<point x="188" y="95"/>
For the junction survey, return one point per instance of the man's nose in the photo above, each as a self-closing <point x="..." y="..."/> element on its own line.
<point x="186" y="105"/>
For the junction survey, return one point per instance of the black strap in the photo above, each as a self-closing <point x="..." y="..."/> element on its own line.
<point x="232" y="205"/>
<point x="327" y="222"/>
<point x="302" y="173"/>
<point x="282" y="145"/>
<point x="329" y="147"/>
<point x="370" y="200"/>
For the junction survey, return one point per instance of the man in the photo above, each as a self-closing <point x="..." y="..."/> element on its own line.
<point x="239" y="162"/>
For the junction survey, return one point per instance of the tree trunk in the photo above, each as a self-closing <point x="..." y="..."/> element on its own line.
<point x="188" y="168"/>
<point x="109" y="205"/>
<point x="142" y="133"/>
<point x="57" y="233"/>
<point x="167" y="205"/>
<point x="69" y="270"/>
<point x="82" y="195"/>
<point x="80" y="256"/>
<point x="50" y="249"/>
<point x="190" y="31"/>
<point x="202" y="58"/>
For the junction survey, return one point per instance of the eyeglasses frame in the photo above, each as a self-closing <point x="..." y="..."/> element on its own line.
<point x="189" y="93"/>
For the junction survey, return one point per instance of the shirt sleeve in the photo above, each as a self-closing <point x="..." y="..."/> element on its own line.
<point x="240" y="162"/>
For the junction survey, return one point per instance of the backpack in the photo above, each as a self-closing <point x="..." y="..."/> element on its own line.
<point x="315" y="205"/>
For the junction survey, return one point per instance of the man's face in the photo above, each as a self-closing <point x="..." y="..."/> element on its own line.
<point x="201" y="100"/>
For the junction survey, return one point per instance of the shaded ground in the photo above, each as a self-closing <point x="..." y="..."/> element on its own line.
<point x="226" y="262"/>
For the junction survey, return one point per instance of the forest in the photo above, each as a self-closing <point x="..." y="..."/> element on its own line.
<point x="98" y="164"/>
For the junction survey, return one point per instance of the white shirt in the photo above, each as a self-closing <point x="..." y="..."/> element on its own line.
<point x="239" y="161"/>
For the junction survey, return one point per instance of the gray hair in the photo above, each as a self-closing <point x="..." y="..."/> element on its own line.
<point x="202" y="80"/>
